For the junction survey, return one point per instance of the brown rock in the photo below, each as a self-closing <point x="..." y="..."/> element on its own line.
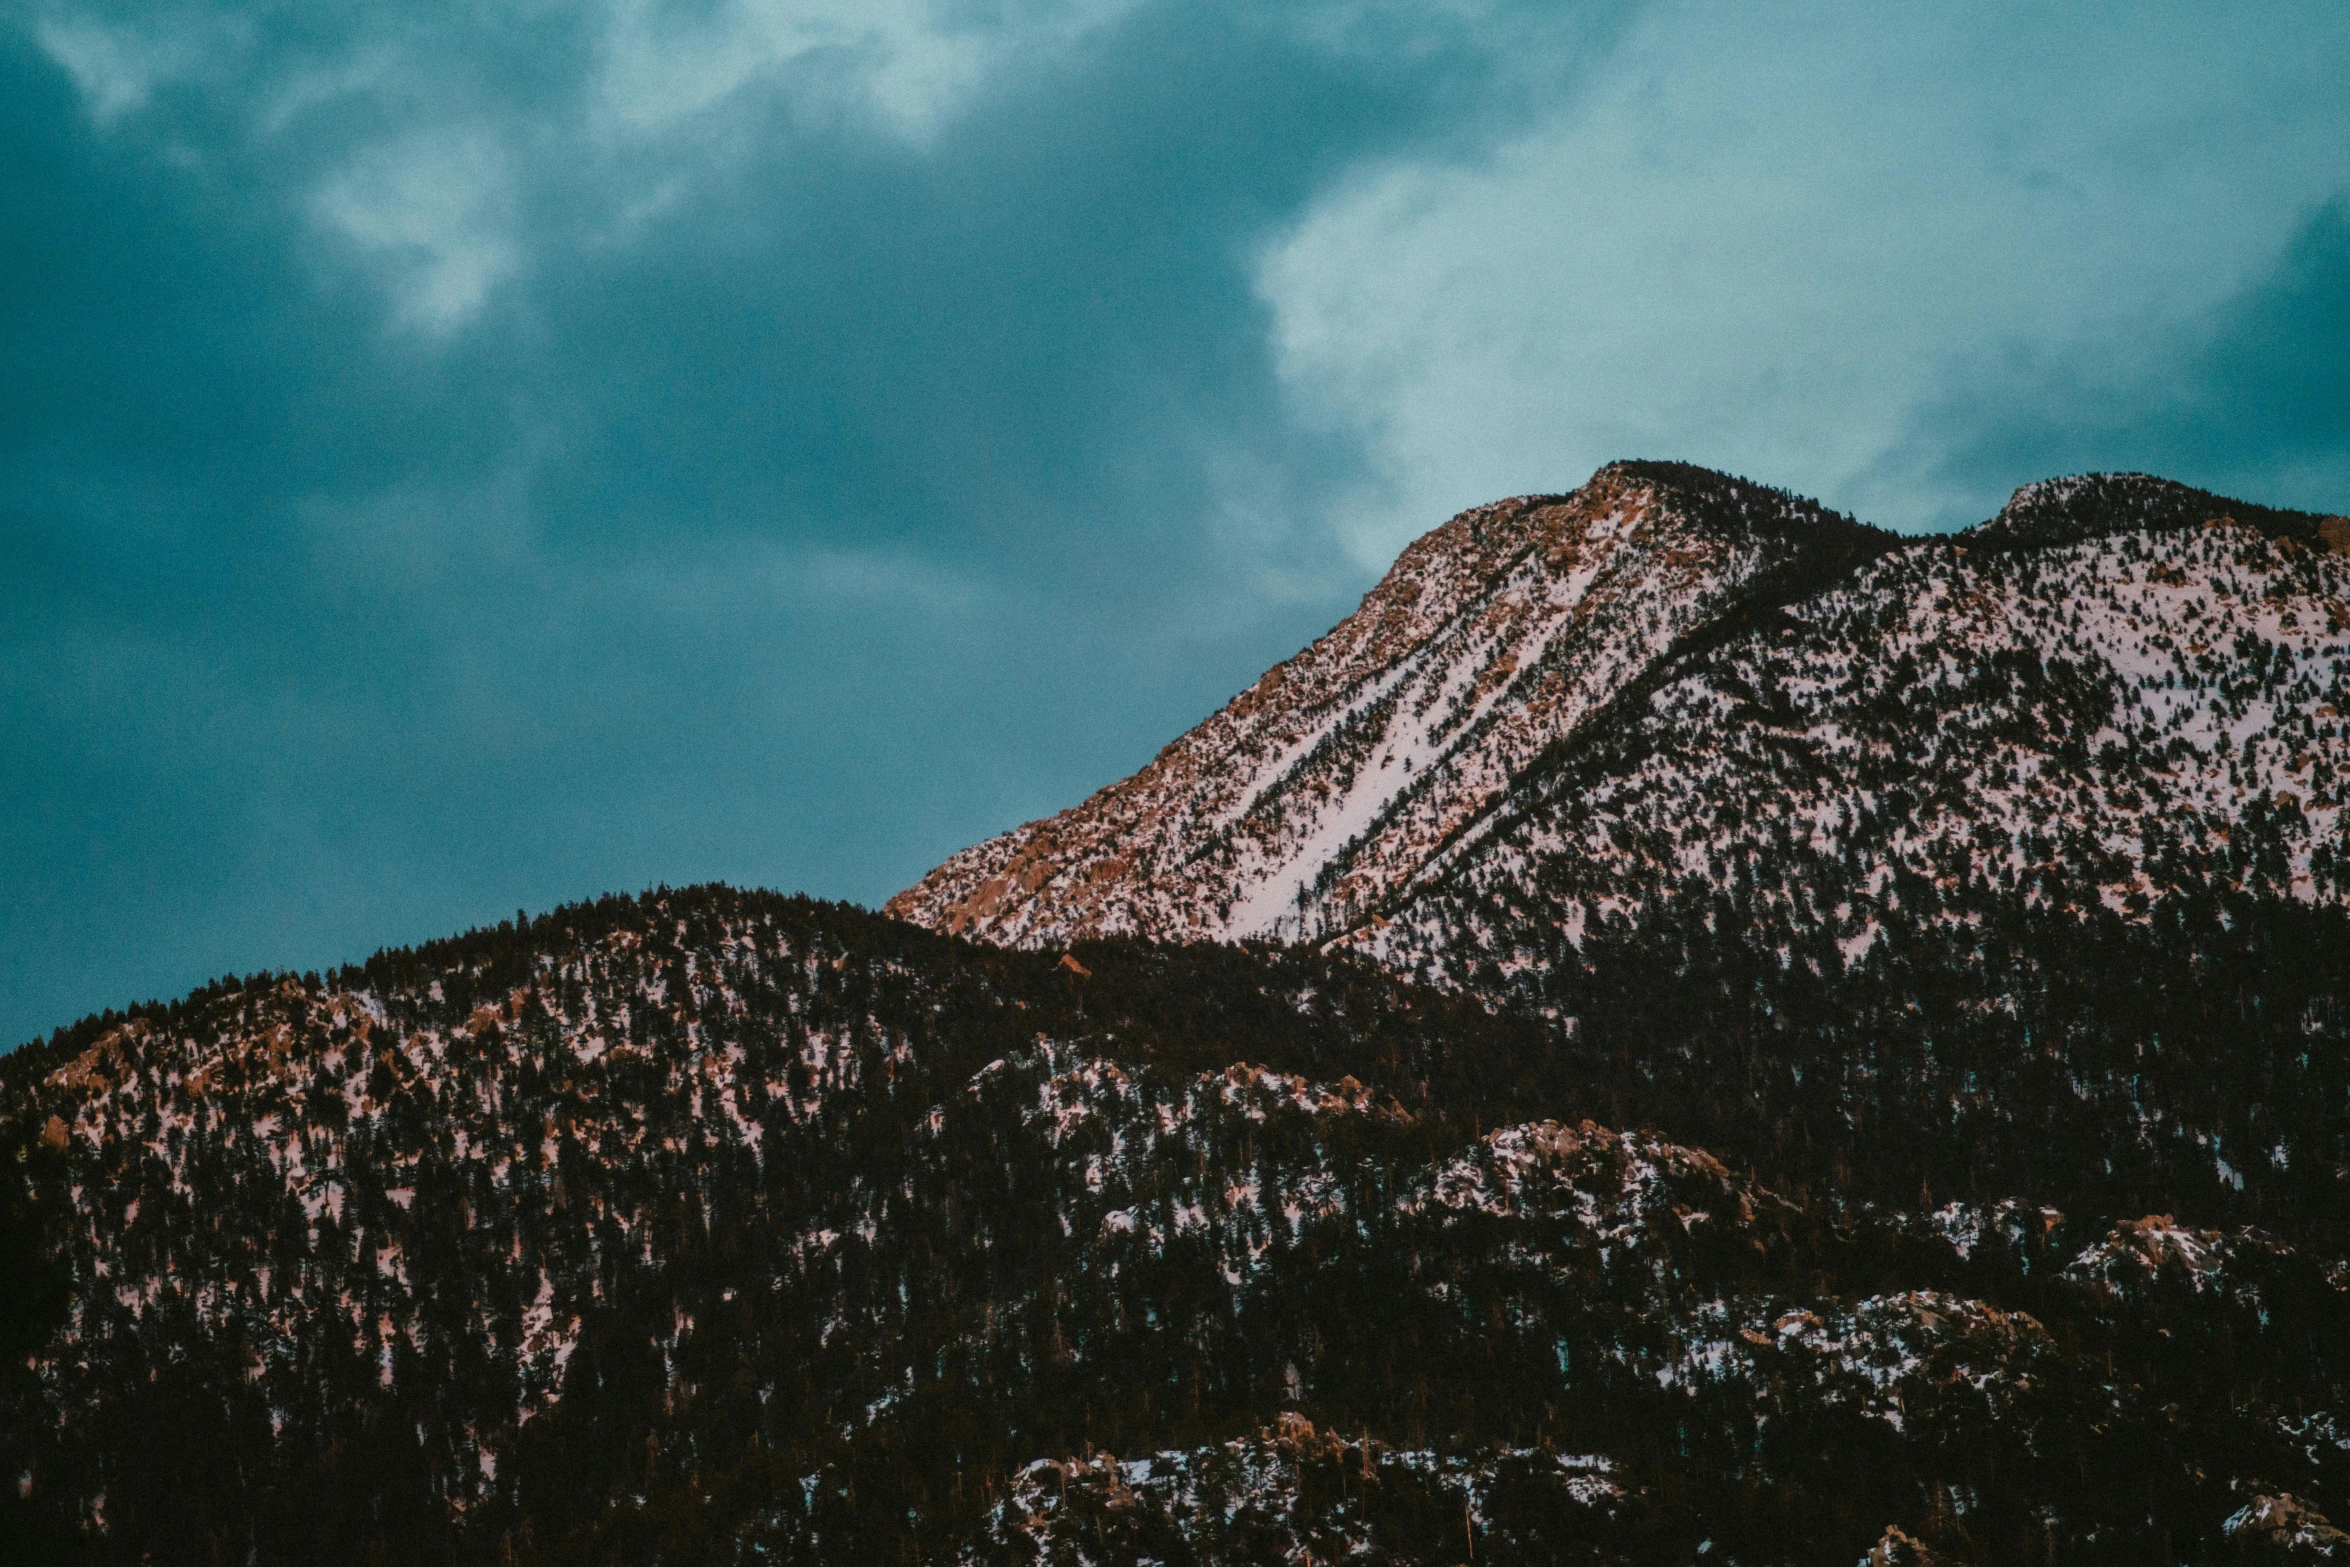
<point x="1899" y="1548"/>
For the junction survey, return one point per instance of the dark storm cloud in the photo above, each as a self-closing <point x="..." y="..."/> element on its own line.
<point x="981" y="348"/>
<point x="439" y="472"/>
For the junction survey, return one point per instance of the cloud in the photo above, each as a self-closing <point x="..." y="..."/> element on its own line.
<point x="433" y="211"/>
<point x="1768" y="243"/>
<point x="116" y="67"/>
<point x="461" y="455"/>
<point x="416" y="129"/>
<point x="473" y="456"/>
<point x="911" y="61"/>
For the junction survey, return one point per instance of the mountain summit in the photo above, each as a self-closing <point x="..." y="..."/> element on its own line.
<point x="2097" y="505"/>
<point x="1325" y="786"/>
<point x="1673" y="684"/>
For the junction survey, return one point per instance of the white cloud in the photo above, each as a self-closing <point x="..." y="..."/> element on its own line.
<point x="433" y="212"/>
<point x="909" y="61"/>
<point x="1764" y="243"/>
<point x="116" y="69"/>
<point x="423" y="173"/>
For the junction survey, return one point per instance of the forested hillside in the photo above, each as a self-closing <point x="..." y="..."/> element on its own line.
<point x="666" y="1228"/>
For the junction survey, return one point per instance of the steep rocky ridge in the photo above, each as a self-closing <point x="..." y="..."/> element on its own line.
<point x="1331" y="781"/>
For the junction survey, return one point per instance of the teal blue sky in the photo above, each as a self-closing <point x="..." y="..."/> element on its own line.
<point x="460" y="457"/>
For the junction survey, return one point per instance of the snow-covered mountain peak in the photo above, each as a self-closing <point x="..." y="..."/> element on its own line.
<point x="2076" y="507"/>
<point x="2120" y="693"/>
<point x="2157" y="667"/>
<point x="1337" y="776"/>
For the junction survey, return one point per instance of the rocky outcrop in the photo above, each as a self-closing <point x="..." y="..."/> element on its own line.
<point x="2283" y="1528"/>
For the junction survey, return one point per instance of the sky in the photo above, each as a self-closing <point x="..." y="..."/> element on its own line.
<point x="467" y="457"/>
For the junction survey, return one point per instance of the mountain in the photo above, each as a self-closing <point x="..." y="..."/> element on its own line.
<point x="2111" y="709"/>
<point x="1334" y="779"/>
<point x="2116" y="687"/>
<point x="1837" y="1047"/>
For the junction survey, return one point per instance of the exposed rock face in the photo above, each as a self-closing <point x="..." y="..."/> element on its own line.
<point x="1899" y="1549"/>
<point x="2283" y="1528"/>
<point x="1320" y="790"/>
<point x="2149" y="1257"/>
<point x="1291" y="1494"/>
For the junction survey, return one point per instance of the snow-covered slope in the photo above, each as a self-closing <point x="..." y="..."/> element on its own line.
<point x="2106" y="719"/>
<point x="1556" y="710"/>
<point x="1336" y="777"/>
